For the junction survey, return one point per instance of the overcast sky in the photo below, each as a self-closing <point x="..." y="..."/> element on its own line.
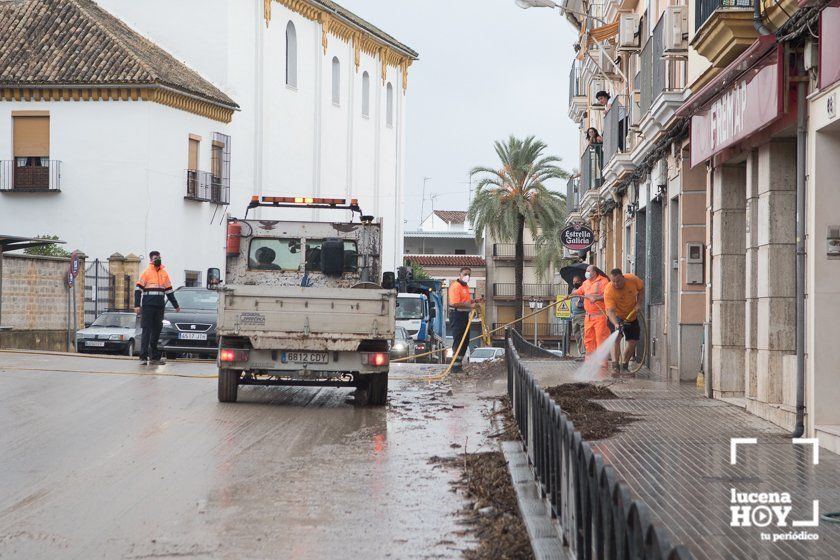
<point x="487" y="69"/>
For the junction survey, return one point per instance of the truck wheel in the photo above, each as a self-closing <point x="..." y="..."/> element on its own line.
<point x="228" y="385"/>
<point x="377" y="389"/>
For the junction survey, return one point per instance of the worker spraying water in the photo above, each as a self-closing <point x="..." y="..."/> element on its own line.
<point x="623" y="299"/>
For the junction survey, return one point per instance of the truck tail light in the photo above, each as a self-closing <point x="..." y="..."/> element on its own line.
<point x="376" y="359"/>
<point x="233" y="355"/>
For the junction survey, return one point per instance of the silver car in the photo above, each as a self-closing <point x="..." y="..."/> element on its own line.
<point x="486" y="354"/>
<point x="112" y="332"/>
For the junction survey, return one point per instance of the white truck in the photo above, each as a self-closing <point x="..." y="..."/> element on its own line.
<point x="305" y="303"/>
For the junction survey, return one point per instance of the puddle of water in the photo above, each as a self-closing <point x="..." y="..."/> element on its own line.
<point x="592" y="369"/>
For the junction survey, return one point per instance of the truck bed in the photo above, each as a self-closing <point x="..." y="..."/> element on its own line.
<point x="296" y="318"/>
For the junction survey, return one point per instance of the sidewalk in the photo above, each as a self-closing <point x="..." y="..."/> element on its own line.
<point x="676" y="458"/>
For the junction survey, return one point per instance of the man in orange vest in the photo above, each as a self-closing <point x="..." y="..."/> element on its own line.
<point x="595" y="326"/>
<point x="461" y="303"/>
<point x="150" y="295"/>
<point x="624" y="298"/>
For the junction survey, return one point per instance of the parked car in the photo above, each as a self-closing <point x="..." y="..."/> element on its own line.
<point x="403" y="345"/>
<point x="486" y="354"/>
<point x="191" y="331"/>
<point x="112" y="332"/>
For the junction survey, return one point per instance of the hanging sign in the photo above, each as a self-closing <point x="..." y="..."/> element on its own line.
<point x="577" y="237"/>
<point x="749" y="104"/>
<point x="562" y="310"/>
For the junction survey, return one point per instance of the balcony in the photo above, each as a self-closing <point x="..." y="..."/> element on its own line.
<point x="661" y="83"/>
<point x="526" y="329"/>
<point x="724" y="29"/>
<point x="507" y="251"/>
<point x="591" y="168"/>
<point x="198" y="185"/>
<point x="30" y="175"/>
<point x="572" y="195"/>
<point x="577" y="92"/>
<point x="508" y="291"/>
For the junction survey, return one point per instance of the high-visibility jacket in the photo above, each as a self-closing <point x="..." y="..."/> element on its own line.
<point x="593" y="286"/>
<point x="153" y="288"/>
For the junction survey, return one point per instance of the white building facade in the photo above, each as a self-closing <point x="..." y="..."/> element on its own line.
<point x="291" y="97"/>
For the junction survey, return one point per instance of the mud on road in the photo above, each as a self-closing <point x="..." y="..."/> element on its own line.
<point x="101" y="463"/>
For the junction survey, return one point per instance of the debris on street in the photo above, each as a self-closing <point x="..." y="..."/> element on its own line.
<point x="591" y="419"/>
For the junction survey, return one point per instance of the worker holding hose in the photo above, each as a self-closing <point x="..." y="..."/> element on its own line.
<point x="460" y="303"/>
<point x="623" y="299"/>
<point x="595" y="327"/>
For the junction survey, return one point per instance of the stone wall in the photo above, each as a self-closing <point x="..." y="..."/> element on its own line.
<point x="34" y="301"/>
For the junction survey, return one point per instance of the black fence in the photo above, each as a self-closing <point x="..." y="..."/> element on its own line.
<point x="615" y="131"/>
<point x="705" y="8"/>
<point x="597" y="516"/>
<point x="575" y="89"/>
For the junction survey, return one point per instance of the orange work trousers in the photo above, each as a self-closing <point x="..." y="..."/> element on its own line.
<point x="595" y="332"/>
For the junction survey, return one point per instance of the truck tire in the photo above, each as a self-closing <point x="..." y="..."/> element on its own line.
<point x="377" y="389"/>
<point x="228" y="385"/>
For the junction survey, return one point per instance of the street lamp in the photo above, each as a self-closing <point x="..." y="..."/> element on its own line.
<point x="535" y="304"/>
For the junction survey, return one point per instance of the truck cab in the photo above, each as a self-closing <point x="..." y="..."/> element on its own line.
<point x="420" y="311"/>
<point x="305" y="303"/>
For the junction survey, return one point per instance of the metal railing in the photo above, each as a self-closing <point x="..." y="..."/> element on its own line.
<point x="219" y="191"/>
<point x="645" y="85"/>
<point x="572" y="195"/>
<point x="198" y="185"/>
<point x="575" y="89"/>
<point x="528" y="290"/>
<point x="591" y="167"/>
<point x="33" y="174"/>
<point x="615" y="131"/>
<point x="526" y="329"/>
<point x="596" y="514"/>
<point x="703" y="9"/>
<point x="508" y="250"/>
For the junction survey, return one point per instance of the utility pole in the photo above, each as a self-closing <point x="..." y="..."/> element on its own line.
<point x="423" y="200"/>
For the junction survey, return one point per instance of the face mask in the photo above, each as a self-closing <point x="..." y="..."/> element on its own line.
<point x="588" y="275"/>
<point x="156" y="262"/>
<point x="465" y="279"/>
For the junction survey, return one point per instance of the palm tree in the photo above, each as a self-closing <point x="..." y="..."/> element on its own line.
<point x="515" y="195"/>
<point x="549" y="249"/>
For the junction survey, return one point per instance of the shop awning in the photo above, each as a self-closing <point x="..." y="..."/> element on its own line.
<point x="604" y="32"/>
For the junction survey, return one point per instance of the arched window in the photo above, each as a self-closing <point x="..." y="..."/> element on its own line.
<point x="365" y="94"/>
<point x="389" y="116"/>
<point x="291" y="55"/>
<point x="336" y="81"/>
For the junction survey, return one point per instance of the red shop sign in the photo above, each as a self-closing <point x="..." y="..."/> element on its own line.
<point x="753" y="101"/>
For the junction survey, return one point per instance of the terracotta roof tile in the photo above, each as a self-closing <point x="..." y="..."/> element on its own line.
<point x="75" y="42"/>
<point x="446" y="260"/>
<point x="452" y="216"/>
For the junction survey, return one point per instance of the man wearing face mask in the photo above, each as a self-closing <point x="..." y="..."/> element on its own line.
<point x="595" y="327"/>
<point x="150" y="295"/>
<point x="460" y="303"/>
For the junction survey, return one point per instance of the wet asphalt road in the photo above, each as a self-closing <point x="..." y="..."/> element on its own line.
<point x="100" y="463"/>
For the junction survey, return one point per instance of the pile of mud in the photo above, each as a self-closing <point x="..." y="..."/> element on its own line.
<point x="591" y="419"/>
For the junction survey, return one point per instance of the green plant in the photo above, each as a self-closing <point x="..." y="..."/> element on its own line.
<point x="549" y="250"/>
<point x="418" y="272"/>
<point x="515" y="196"/>
<point x="50" y="250"/>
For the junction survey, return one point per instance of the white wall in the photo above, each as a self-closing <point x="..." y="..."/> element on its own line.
<point x="285" y="141"/>
<point x="122" y="183"/>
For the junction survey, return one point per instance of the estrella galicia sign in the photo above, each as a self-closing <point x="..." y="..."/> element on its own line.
<point x="577" y="237"/>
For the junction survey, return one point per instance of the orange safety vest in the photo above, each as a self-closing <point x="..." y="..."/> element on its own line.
<point x="155" y="286"/>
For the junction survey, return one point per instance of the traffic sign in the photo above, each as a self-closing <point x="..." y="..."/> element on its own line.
<point x="562" y="310"/>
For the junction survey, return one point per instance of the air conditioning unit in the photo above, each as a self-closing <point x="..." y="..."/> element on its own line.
<point x="675" y="30"/>
<point x="628" y="32"/>
<point x="606" y="60"/>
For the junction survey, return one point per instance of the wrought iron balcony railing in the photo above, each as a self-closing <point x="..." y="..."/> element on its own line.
<point x="508" y="290"/>
<point x="703" y="9"/>
<point x="508" y="251"/>
<point x="30" y="174"/>
<point x="591" y="168"/>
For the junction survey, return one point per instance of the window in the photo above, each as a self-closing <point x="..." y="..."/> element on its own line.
<point x="192" y="152"/>
<point x="460" y="251"/>
<point x="291" y="55"/>
<point x="220" y="169"/>
<point x="274" y="254"/>
<point x="365" y="94"/>
<point x="389" y="118"/>
<point x="31" y="146"/>
<point x="313" y="255"/>
<point x="336" y="81"/>
<point x="192" y="279"/>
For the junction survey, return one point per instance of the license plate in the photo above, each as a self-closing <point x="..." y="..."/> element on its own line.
<point x="306" y="357"/>
<point x="97" y="343"/>
<point x="192" y="336"/>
